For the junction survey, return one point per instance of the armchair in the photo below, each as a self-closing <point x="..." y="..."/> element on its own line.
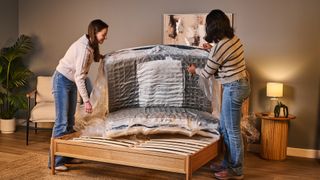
<point x="43" y="110"/>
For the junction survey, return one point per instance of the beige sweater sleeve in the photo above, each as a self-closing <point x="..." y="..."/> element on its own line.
<point x="81" y="70"/>
<point x="76" y="63"/>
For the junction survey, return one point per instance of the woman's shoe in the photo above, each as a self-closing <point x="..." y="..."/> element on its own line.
<point x="216" y="167"/>
<point x="227" y="174"/>
<point x="61" y="168"/>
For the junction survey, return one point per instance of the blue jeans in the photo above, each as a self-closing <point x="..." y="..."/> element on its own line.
<point x="65" y="96"/>
<point x="234" y="94"/>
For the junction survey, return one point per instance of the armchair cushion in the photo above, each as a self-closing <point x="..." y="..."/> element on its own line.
<point x="43" y="112"/>
<point x="44" y="89"/>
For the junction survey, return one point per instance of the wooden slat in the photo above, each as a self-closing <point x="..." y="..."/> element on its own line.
<point x="183" y="146"/>
<point x="105" y="141"/>
<point x="161" y="150"/>
<point x="102" y="138"/>
<point x="179" y="143"/>
<point x="190" y="141"/>
<point x="167" y="148"/>
<point x="100" y="143"/>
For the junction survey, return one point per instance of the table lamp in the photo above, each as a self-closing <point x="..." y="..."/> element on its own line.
<point x="274" y="91"/>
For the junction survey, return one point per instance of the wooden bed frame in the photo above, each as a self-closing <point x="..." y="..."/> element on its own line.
<point x="181" y="155"/>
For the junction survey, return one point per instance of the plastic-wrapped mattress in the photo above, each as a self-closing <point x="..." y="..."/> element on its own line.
<point x="147" y="90"/>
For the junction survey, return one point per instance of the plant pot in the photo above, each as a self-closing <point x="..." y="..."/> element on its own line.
<point x="8" y="126"/>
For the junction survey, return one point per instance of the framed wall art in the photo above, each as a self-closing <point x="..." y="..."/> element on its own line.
<point x="186" y="29"/>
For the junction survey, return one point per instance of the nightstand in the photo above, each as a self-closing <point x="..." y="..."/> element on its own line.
<point x="274" y="136"/>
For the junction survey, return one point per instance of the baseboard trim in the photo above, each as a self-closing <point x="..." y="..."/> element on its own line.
<point x="297" y="152"/>
<point x="306" y="153"/>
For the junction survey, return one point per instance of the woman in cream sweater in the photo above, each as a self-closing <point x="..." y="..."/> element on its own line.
<point x="69" y="78"/>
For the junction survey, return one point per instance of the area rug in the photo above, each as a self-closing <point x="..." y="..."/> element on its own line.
<point x="34" y="166"/>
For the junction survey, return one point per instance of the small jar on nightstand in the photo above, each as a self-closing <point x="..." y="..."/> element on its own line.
<point x="274" y="136"/>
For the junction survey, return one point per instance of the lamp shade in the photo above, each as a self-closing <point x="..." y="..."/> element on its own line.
<point x="274" y="89"/>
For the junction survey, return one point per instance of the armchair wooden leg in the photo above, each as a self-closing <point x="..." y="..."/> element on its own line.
<point x="27" y="132"/>
<point x="36" y="128"/>
<point x="28" y="120"/>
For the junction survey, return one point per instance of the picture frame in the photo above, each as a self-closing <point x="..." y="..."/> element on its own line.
<point x="186" y="29"/>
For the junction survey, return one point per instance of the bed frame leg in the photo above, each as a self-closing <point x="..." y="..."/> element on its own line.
<point x="52" y="152"/>
<point x="188" y="169"/>
<point x="188" y="176"/>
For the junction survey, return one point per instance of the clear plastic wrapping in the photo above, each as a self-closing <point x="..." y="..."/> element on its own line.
<point x="249" y="130"/>
<point x="167" y="101"/>
<point x="155" y="121"/>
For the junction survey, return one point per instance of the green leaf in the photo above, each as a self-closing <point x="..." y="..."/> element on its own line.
<point x="22" y="46"/>
<point x="18" y="101"/>
<point x="19" y="78"/>
<point x="9" y="114"/>
<point x="13" y="76"/>
<point x="2" y="95"/>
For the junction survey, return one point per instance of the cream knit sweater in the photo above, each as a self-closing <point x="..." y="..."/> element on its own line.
<point x="76" y="63"/>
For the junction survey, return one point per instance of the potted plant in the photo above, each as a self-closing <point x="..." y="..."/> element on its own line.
<point x="13" y="79"/>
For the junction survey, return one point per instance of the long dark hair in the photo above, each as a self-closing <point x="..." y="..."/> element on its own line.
<point x="217" y="26"/>
<point x="94" y="27"/>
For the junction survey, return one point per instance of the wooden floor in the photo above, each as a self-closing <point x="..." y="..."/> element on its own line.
<point x="12" y="147"/>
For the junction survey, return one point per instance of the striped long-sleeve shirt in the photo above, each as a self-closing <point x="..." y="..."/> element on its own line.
<point x="226" y="61"/>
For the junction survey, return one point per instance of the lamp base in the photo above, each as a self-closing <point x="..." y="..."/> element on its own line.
<point x="272" y="104"/>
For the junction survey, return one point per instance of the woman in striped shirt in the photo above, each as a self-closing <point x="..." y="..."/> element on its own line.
<point x="226" y="63"/>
